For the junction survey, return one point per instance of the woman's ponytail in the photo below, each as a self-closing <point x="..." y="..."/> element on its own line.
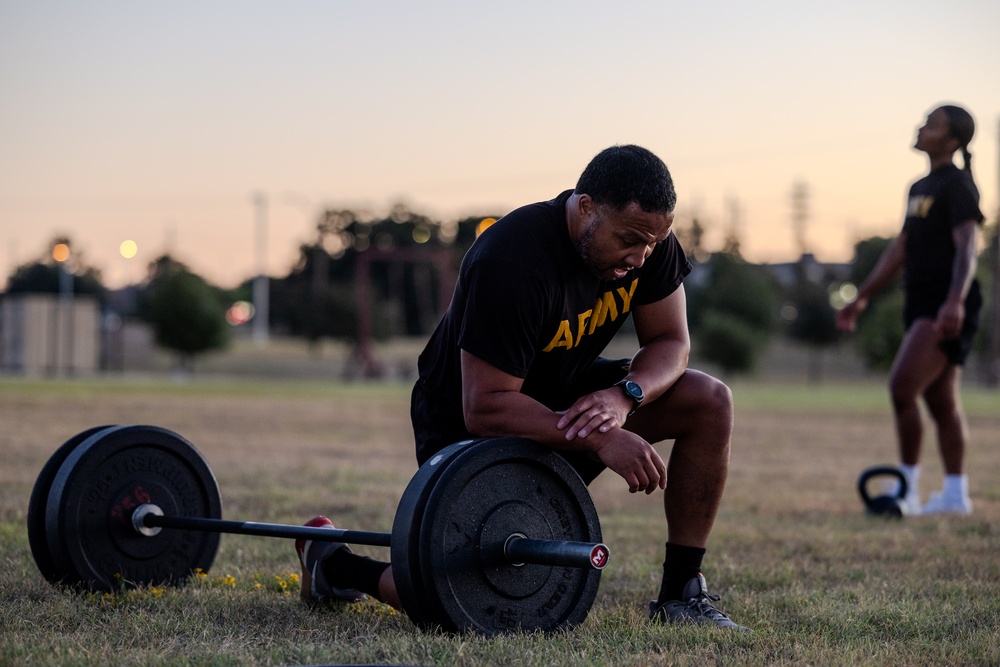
<point x="961" y="126"/>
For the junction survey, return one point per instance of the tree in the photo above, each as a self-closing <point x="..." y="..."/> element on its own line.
<point x="880" y="331"/>
<point x="317" y="298"/>
<point x="880" y="327"/>
<point x="732" y="314"/>
<point x="729" y="342"/>
<point x="692" y="239"/>
<point x="814" y="323"/>
<point x="44" y="275"/>
<point x="988" y="340"/>
<point x="187" y="314"/>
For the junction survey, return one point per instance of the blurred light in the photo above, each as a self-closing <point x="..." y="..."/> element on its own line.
<point x="362" y="242"/>
<point x="421" y="234"/>
<point x="60" y="252"/>
<point x="128" y="249"/>
<point x="842" y="295"/>
<point x="483" y="225"/>
<point x="239" y="313"/>
<point x="789" y="312"/>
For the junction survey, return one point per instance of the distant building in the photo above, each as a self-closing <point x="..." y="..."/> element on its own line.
<point x="45" y="334"/>
<point x="787" y="274"/>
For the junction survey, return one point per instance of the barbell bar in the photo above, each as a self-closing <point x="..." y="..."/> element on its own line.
<point x="517" y="549"/>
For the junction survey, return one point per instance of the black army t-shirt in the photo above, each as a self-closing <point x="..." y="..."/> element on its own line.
<point x="526" y="304"/>
<point x="938" y="202"/>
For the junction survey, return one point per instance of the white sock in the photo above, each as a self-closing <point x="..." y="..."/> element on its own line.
<point x="912" y="474"/>
<point x="956" y="486"/>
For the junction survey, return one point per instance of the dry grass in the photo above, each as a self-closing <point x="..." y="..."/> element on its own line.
<point x="792" y="553"/>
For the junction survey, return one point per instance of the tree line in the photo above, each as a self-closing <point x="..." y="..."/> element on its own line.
<point x="735" y="308"/>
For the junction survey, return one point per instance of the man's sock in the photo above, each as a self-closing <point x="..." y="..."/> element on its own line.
<point x="344" y="569"/>
<point x="680" y="565"/>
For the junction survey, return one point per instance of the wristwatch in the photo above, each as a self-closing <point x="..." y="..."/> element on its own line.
<point x="633" y="391"/>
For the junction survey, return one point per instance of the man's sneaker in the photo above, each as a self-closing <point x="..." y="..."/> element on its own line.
<point x="696" y="607"/>
<point x="311" y="555"/>
<point x="939" y="503"/>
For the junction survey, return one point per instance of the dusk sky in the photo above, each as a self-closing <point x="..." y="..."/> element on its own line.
<point x="157" y="122"/>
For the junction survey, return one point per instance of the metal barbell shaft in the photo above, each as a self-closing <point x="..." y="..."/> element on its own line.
<point x="518" y="549"/>
<point x="152" y="520"/>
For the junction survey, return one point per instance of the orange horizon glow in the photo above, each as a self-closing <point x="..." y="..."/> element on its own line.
<point x="329" y="106"/>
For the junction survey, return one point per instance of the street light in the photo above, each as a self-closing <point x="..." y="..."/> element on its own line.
<point x="61" y="254"/>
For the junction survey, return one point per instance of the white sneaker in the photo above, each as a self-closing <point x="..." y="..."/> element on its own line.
<point x="939" y="503"/>
<point x="910" y="504"/>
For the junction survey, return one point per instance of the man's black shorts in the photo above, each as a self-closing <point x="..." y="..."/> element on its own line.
<point x="924" y="304"/>
<point x="601" y="375"/>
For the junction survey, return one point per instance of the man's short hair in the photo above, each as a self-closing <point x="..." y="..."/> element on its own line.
<point x="620" y="175"/>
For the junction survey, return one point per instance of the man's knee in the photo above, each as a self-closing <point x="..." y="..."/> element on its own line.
<point x="698" y="406"/>
<point x="720" y="399"/>
<point x="722" y="396"/>
<point x="713" y="403"/>
<point x="709" y="393"/>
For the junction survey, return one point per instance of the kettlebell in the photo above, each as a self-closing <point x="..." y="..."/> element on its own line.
<point x="887" y="506"/>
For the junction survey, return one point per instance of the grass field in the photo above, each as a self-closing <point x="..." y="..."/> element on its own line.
<point x="792" y="554"/>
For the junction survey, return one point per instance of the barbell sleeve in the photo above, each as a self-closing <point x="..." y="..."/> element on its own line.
<point x="519" y="549"/>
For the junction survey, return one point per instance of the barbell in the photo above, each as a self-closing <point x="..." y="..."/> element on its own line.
<point x="491" y="535"/>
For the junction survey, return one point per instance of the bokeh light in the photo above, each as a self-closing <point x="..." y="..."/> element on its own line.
<point x="483" y="225"/>
<point x="239" y="313"/>
<point x="843" y="294"/>
<point x="421" y="234"/>
<point x="60" y="252"/>
<point x="128" y="249"/>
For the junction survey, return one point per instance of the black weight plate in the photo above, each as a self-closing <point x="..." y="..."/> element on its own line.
<point x="486" y="493"/>
<point x="405" y="543"/>
<point x="36" y="509"/>
<point x="89" y="512"/>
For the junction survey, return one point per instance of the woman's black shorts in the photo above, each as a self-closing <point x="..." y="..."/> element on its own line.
<point x="926" y="304"/>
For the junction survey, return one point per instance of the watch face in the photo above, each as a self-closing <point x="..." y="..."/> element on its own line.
<point x="633" y="390"/>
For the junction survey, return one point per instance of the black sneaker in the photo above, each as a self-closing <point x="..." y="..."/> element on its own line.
<point x="695" y="608"/>
<point x="311" y="554"/>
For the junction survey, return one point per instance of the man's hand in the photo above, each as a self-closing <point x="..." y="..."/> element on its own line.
<point x="601" y="411"/>
<point x="634" y="460"/>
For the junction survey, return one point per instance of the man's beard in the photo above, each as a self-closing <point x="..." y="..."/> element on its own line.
<point x="584" y="248"/>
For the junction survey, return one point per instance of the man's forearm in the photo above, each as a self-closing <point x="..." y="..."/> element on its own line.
<point x="658" y="365"/>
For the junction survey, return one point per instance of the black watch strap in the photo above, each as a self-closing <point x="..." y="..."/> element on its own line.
<point x="633" y="391"/>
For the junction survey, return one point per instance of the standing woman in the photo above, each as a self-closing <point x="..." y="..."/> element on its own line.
<point x="936" y="252"/>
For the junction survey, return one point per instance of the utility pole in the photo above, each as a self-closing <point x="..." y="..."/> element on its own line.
<point x="734" y="232"/>
<point x="261" y="287"/>
<point x="800" y="214"/>
<point x="993" y="367"/>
